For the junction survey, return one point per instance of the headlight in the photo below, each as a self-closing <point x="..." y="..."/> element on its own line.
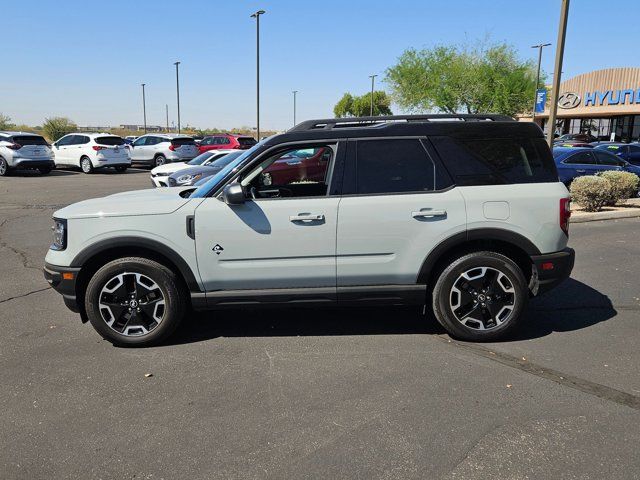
<point x="189" y="178"/>
<point x="59" y="234"/>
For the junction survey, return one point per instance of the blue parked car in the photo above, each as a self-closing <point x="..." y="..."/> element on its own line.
<point x="626" y="151"/>
<point x="575" y="162"/>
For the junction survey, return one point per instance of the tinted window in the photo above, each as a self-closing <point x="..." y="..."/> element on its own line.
<point x="109" y="141"/>
<point x="29" y="140"/>
<point x="81" y="139"/>
<point x="183" y="141"/>
<point x="605" y="158"/>
<point x="393" y="166"/>
<point x="208" y="141"/>
<point x="140" y="141"/>
<point x="495" y="161"/>
<point x="582" y="158"/>
<point x="200" y="159"/>
<point x="247" y="141"/>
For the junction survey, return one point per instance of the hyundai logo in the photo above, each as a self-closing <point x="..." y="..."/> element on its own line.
<point x="569" y="100"/>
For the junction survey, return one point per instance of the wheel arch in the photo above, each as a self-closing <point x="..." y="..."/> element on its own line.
<point x="92" y="258"/>
<point x="511" y="244"/>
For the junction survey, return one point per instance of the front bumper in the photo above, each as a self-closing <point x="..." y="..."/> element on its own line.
<point x="24" y="163"/>
<point x="553" y="268"/>
<point x="63" y="281"/>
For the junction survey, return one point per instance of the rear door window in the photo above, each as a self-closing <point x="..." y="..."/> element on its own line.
<point x="496" y="161"/>
<point x="606" y="158"/>
<point x="393" y="166"/>
<point x="581" y="158"/>
<point x="109" y="141"/>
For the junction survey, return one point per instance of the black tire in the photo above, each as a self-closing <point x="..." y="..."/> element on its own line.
<point x="487" y="306"/>
<point x="4" y="167"/>
<point x="85" y="165"/>
<point x="121" y="169"/>
<point x="159" y="160"/>
<point x="45" y="170"/>
<point x="168" y="286"/>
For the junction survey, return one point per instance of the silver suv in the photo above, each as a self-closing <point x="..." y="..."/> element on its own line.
<point x="20" y="150"/>
<point x="464" y="214"/>
<point x="158" y="149"/>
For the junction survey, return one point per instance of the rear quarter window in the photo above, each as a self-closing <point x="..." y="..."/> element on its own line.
<point x="496" y="161"/>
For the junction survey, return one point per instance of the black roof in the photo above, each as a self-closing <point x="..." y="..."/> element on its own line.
<point x="409" y="125"/>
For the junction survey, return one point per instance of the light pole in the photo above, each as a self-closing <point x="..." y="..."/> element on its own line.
<point x="144" y="108"/>
<point x="294" y="106"/>
<point x="178" y="92"/>
<point x="557" y="73"/>
<point x="373" y="79"/>
<point x="166" y="109"/>
<point x="257" y="17"/>
<point x="535" y="97"/>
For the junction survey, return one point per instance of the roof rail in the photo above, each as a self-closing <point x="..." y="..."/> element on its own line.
<point x="351" y="122"/>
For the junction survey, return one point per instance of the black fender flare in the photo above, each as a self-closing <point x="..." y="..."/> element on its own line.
<point x="459" y="239"/>
<point x="131" y="241"/>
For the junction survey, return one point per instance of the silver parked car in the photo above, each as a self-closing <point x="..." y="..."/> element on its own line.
<point x="157" y="149"/>
<point x="20" y="150"/>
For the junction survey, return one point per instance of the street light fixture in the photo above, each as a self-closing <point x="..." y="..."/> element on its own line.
<point x="535" y="98"/>
<point x="178" y="92"/>
<point x="373" y="79"/>
<point x="144" y="108"/>
<point x="294" y="106"/>
<point x="256" y="15"/>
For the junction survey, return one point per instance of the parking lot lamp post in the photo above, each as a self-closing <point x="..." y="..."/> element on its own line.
<point x="535" y="97"/>
<point x="373" y="79"/>
<point x="553" y="106"/>
<point x="178" y="92"/>
<point x="257" y="17"/>
<point x="294" y="107"/>
<point x="166" y="109"/>
<point x="144" y="108"/>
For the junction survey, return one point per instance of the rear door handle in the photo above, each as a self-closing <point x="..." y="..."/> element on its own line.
<point x="306" y="217"/>
<point x="429" y="213"/>
<point x="581" y="171"/>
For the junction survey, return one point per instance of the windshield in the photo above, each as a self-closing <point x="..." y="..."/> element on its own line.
<point x="204" y="189"/>
<point x="200" y="159"/>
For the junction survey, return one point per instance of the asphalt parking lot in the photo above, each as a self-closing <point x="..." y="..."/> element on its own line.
<point x="336" y="393"/>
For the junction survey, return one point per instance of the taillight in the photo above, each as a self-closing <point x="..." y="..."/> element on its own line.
<point x="14" y="146"/>
<point x="172" y="147"/>
<point x="565" y="214"/>
<point x="97" y="148"/>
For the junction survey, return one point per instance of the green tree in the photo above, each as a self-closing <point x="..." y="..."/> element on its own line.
<point x="454" y="79"/>
<point x="57" y="127"/>
<point x="354" y="106"/>
<point x="5" y="122"/>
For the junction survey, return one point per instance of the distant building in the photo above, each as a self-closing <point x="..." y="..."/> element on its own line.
<point x="150" y="128"/>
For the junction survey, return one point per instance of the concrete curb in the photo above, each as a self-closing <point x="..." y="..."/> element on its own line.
<point x="597" y="216"/>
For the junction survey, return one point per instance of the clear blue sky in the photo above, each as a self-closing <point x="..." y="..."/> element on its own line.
<point x="86" y="59"/>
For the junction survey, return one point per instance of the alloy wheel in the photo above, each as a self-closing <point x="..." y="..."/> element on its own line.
<point x="3" y="167"/>
<point x="132" y="304"/>
<point x="86" y="165"/>
<point x="482" y="298"/>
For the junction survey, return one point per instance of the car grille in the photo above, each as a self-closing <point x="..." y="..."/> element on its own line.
<point x="161" y="174"/>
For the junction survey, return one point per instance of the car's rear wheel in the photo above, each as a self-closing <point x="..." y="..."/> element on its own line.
<point x="480" y="296"/>
<point x="159" y="160"/>
<point x="4" y="167"/>
<point x="134" y="302"/>
<point x="86" y="165"/>
<point x="45" y="170"/>
<point x="121" y="169"/>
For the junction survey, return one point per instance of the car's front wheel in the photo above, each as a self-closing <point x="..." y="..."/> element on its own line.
<point x="480" y="296"/>
<point x="134" y="302"/>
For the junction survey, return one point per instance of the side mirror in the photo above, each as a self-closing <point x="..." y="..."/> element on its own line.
<point x="233" y="194"/>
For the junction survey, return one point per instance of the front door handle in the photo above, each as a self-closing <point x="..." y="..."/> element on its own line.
<point x="429" y="213"/>
<point x="306" y="217"/>
<point x="581" y="171"/>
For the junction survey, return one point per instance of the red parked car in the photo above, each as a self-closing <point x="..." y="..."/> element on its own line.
<point x="226" y="141"/>
<point x="306" y="166"/>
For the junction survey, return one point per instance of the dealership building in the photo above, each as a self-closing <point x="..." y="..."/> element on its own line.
<point x="603" y="103"/>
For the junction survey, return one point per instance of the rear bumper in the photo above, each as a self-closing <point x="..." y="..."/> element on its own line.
<point x="25" y="163"/>
<point x="553" y="268"/>
<point x="63" y="284"/>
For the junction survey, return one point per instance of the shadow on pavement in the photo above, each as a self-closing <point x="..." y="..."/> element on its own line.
<point x="571" y="306"/>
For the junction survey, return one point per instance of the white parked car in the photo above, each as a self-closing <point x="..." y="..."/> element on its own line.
<point x="158" y="148"/>
<point x="92" y="150"/>
<point x="19" y="150"/>
<point x="160" y="175"/>
<point x="464" y="215"/>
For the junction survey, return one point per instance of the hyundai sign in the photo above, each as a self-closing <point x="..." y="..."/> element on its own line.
<point x="598" y="98"/>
